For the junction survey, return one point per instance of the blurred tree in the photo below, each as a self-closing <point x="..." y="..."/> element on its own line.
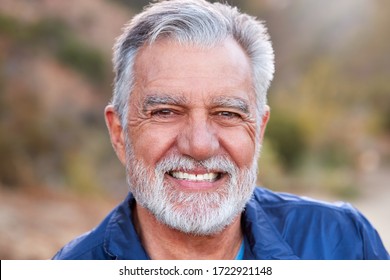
<point x="286" y="137"/>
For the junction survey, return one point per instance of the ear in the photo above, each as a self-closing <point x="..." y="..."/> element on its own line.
<point x="264" y="121"/>
<point x="116" y="132"/>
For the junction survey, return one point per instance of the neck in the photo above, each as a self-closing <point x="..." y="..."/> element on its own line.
<point x="162" y="242"/>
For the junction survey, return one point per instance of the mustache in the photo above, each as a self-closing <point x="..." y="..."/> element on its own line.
<point x="221" y="164"/>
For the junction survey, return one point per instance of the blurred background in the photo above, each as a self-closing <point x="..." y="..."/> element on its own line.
<point x="328" y="137"/>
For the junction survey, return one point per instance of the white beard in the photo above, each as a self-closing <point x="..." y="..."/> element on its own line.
<point x="197" y="213"/>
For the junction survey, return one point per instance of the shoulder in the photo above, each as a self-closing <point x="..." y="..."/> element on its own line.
<point x="289" y="203"/>
<point x="88" y="246"/>
<point x="289" y="210"/>
<point x="318" y="229"/>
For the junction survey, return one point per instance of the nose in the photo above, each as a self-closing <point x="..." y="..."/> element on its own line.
<point x="198" y="139"/>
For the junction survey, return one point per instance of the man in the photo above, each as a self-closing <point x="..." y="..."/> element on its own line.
<point x="187" y="120"/>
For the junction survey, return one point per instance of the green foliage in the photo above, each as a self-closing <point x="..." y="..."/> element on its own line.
<point x="79" y="173"/>
<point x="88" y="61"/>
<point x="8" y="25"/>
<point x="54" y="36"/>
<point x="23" y="139"/>
<point x="285" y="135"/>
<point x="49" y="32"/>
<point x="34" y="146"/>
<point x="320" y="125"/>
<point x="380" y="102"/>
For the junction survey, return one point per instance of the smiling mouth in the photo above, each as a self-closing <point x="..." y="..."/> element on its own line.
<point x="205" y="177"/>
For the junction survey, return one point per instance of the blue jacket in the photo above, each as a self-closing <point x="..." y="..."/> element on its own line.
<point x="275" y="226"/>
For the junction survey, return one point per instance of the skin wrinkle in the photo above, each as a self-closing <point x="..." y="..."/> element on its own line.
<point x="231" y="102"/>
<point x="196" y="24"/>
<point x="151" y="101"/>
<point x="143" y="118"/>
<point x="190" y="89"/>
<point x="197" y="90"/>
<point x="218" y="104"/>
<point x="158" y="89"/>
<point x="219" y="101"/>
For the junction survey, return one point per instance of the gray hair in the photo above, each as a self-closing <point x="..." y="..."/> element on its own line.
<point x="195" y="22"/>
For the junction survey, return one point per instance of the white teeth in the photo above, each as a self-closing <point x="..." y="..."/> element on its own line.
<point x="193" y="177"/>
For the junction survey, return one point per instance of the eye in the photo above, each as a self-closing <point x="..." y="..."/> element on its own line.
<point x="228" y="115"/>
<point x="162" y="112"/>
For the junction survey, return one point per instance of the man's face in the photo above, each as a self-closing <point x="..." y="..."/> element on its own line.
<point x="191" y="136"/>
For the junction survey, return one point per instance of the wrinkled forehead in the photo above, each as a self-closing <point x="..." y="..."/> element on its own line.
<point x="170" y="66"/>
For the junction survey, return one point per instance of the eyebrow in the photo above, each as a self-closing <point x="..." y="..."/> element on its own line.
<point x="154" y="100"/>
<point x="219" y="101"/>
<point x="231" y="102"/>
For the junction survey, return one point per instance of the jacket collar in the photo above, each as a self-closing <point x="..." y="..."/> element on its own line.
<point x="121" y="241"/>
<point x="263" y="240"/>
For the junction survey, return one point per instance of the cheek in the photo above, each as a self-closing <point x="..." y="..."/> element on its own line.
<point x="240" y="146"/>
<point x="152" y="143"/>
